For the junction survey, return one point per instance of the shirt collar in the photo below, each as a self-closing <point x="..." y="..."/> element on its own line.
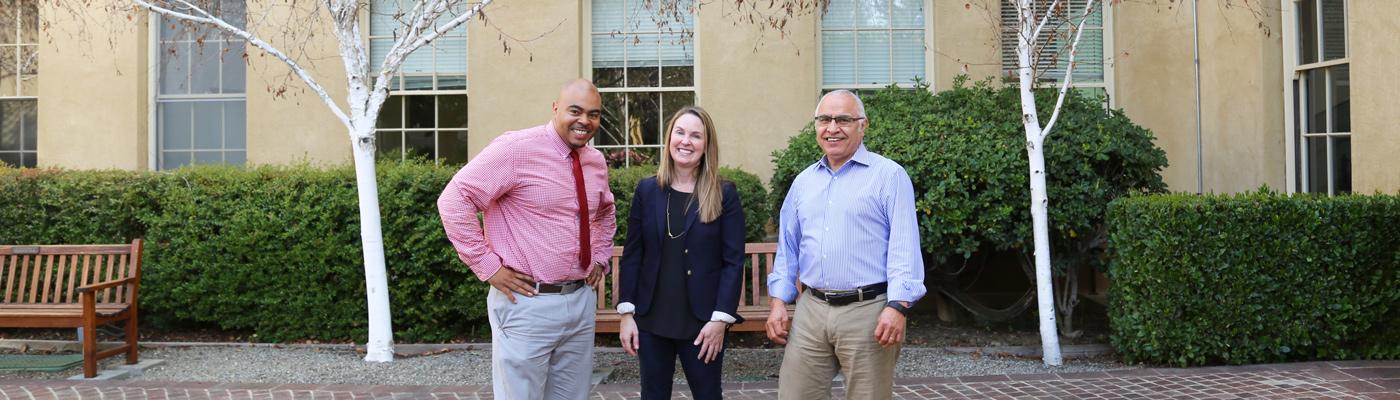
<point x="862" y="157"/>
<point x="557" y="142"/>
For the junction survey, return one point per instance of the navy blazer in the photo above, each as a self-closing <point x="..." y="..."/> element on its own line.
<point x="714" y="252"/>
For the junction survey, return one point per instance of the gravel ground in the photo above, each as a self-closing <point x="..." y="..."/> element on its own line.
<point x="334" y="366"/>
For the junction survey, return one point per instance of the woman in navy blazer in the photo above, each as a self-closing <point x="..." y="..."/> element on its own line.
<point x="683" y="262"/>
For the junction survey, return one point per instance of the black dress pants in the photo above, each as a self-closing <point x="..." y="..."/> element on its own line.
<point x="657" y="356"/>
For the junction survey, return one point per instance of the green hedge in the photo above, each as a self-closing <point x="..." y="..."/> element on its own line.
<point x="1255" y="277"/>
<point x="273" y="250"/>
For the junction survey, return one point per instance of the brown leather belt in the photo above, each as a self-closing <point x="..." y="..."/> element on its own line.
<point x="558" y="288"/>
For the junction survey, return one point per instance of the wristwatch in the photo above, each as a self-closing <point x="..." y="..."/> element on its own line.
<point x="899" y="306"/>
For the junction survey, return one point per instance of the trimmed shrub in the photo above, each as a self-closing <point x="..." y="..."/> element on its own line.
<point x="1254" y="278"/>
<point x="275" y="250"/>
<point x="964" y="149"/>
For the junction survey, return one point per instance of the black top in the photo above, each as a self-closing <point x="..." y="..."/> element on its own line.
<point x="670" y="315"/>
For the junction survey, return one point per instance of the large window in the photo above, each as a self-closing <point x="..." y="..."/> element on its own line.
<point x="201" y="112"/>
<point x="870" y="44"/>
<point x="643" y="61"/>
<point x="426" y="114"/>
<point x="1321" y="97"/>
<point x="1092" y="63"/>
<point x="19" y="82"/>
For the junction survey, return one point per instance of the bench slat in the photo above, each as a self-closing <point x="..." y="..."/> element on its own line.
<point x="753" y="305"/>
<point x="68" y="249"/>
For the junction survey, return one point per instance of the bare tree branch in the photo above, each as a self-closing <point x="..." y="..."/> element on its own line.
<point x="208" y="18"/>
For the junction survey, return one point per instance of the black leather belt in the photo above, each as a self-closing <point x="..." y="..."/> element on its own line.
<point x="558" y="288"/>
<point x="848" y="296"/>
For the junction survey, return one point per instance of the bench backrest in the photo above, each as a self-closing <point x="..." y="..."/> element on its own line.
<point x="754" y="292"/>
<point x="52" y="274"/>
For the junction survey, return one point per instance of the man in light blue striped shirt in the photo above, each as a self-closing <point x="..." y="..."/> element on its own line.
<point x="848" y="232"/>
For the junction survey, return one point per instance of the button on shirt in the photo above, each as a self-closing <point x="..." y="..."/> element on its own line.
<point x="523" y="183"/>
<point x="849" y="228"/>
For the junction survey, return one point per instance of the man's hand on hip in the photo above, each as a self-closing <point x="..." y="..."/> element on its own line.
<point x="510" y="282"/>
<point x="778" y="323"/>
<point x="890" y="328"/>
<point x="595" y="274"/>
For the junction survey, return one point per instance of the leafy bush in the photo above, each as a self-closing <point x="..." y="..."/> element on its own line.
<point x="1255" y="277"/>
<point x="964" y="149"/>
<point x="274" y="250"/>
<point x="623" y="182"/>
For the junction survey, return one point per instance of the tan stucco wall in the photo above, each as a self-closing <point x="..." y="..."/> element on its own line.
<point x="965" y="40"/>
<point x="759" y="93"/>
<point x="1241" y="95"/>
<point x="295" y="125"/>
<point x="510" y="91"/>
<point x="1375" y="140"/>
<point x="92" y="91"/>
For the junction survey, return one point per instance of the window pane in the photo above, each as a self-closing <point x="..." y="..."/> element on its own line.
<point x="1334" y="29"/>
<point x="451" y="57"/>
<point x="30" y="124"/>
<point x="607" y="77"/>
<point x="839" y="14"/>
<point x="418" y="82"/>
<point x="235" y="124"/>
<point x="28" y="160"/>
<point x="174" y="68"/>
<point x="873" y="57"/>
<point x="642" y="76"/>
<point x="235" y="157"/>
<point x="907" y="59"/>
<point x="233" y="67"/>
<point x="1317" y="165"/>
<point x="1317" y="101"/>
<point x="10" y="130"/>
<point x="204" y="76"/>
<point x="391" y="114"/>
<point x="671" y="102"/>
<point x="12" y="160"/>
<point x="908" y="14"/>
<point x="1341" y="98"/>
<point x="8" y="82"/>
<point x="29" y="22"/>
<point x="838" y="58"/>
<point x="452" y="82"/>
<point x="452" y="147"/>
<point x="418" y="144"/>
<point x="208" y="125"/>
<point x="1341" y="164"/>
<point x="29" y="70"/>
<point x="613" y="123"/>
<point x="873" y="14"/>
<point x="175" y="125"/>
<point x="644" y="118"/>
<point x="420" y="111"/>
<point x="389" y="145"/>
<point x="452" y="111"/>
<point x="1307" y="31"/>
<point x="677" y="76"/>
<point x="174" y="159"/>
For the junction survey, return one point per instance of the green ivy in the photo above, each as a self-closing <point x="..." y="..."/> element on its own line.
<point x="1254" y="278"/>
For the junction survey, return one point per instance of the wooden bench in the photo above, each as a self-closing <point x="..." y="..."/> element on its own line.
<point x="753" y="295"/>
<point x="73" y="286"/>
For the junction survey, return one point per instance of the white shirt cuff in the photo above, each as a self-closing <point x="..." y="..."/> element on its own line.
<point x="722" y="317"/>
<point x="626" y="308"/>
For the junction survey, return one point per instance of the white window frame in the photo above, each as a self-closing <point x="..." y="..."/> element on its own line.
<point x="694" y="88"/>
<point x="396" y="90"/>
<point x="1109" y="83"/>
<point x="19" y="93"/>
<point x="1295" y="73"/>
<point x="930" y="57"/>
<point x="154" y="100"/>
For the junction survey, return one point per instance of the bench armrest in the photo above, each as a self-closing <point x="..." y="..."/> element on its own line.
<point x="105" y="285"/>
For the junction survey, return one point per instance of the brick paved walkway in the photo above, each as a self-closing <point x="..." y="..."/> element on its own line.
<point x="1317" y="380"/>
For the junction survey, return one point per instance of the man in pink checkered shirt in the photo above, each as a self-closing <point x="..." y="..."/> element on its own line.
<point x="545" y="236"/>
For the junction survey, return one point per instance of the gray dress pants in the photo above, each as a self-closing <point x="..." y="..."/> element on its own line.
<point x="542" y="346"/>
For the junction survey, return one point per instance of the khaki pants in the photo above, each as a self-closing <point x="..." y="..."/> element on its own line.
<point x="542" y="346"/>
<point x="824" y="338"/>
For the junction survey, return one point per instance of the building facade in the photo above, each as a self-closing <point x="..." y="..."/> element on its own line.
<point x="147" y="93"/>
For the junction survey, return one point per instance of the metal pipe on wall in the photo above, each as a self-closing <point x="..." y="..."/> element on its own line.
<point x="1196" y="53"/>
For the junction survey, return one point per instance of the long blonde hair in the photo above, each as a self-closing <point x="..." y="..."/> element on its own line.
<point x="707" y="184"/>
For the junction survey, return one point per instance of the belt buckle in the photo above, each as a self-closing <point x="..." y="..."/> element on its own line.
<point x="838" y="297"/>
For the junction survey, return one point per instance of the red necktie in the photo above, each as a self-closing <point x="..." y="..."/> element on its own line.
<point x="584" y="248"/>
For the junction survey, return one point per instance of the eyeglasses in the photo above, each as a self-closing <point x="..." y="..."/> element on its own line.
<point x="840" y="120"/>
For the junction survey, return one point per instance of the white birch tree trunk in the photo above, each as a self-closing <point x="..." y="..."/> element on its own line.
<point x="1029" y="32"/>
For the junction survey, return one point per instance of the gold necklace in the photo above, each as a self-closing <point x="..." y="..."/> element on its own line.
<point x="668" y="217"/>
